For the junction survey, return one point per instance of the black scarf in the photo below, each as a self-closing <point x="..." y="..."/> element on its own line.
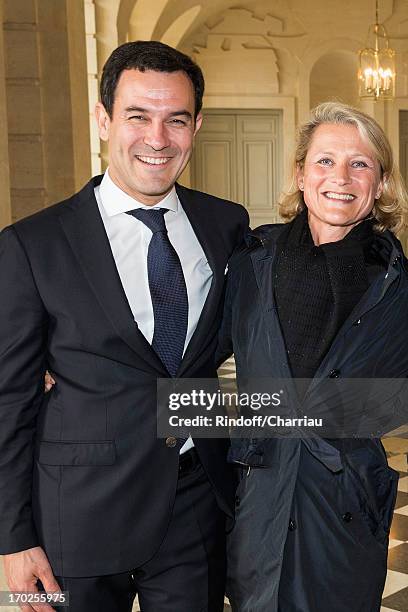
<point x="317" y="287"/>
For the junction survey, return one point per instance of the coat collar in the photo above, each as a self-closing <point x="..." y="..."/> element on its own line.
<point x="263" y="244"/>
<point x="266" y="236"/>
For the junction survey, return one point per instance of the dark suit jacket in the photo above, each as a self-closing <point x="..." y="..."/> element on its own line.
<point x="82" y="472"/>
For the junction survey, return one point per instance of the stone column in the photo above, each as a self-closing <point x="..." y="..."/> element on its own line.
<point x="5" y="206"/>
<point x="78" y="76"/>
<point x="64" y="100"/>
<point x="106" y="15"/>
<point x="23" y="91"/>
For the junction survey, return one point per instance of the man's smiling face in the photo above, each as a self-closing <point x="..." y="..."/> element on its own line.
<point x="151" y="132"/>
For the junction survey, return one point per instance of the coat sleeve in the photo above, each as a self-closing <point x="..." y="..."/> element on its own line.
<point x="224" y="346"/>
<point x="23" y="333"/>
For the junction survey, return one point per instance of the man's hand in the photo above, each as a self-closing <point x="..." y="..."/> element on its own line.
<point x="49" y="382"/>
<point x="23" y="569"/>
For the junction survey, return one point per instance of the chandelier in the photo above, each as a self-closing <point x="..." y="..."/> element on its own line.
<point x="376" y="74"/>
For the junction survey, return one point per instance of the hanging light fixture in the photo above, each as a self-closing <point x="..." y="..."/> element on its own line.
<point x="376" y="74"/>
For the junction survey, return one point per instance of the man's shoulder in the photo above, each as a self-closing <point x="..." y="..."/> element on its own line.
<point x="47" y="218"/>
<point x="219" y="204"/>
<point x="43" y="216"/>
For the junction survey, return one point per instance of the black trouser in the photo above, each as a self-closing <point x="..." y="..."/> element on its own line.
<point x="186" y="574"/>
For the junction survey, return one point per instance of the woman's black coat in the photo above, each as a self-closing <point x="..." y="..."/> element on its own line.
<point x="312" y="516"/>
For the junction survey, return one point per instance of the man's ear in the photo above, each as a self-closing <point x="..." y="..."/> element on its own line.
<point x="103" y="121"/>
<point x="198" y="122"/>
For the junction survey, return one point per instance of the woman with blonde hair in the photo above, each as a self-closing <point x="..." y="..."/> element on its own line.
<point x="324" y="296"/>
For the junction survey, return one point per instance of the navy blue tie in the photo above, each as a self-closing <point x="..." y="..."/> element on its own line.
<point x="167" y="289"/>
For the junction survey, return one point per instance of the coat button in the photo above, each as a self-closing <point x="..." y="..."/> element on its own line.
<point x="347" y="517"/>
<point x="237" y="500"/>
<point x="357" y="322"/>
<point x="334" y="373"/>
<point x="292" y="525"/>
<point x="171" y="442"/>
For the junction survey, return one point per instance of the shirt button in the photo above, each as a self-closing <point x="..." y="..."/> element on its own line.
<point x="334" y="373"/>
<point x="171" y="442"/>
<point x="347" y="517"/>
<point x="292" y="525"/>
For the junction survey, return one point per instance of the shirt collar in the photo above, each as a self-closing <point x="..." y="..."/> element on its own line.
<point x="115" y="201"/>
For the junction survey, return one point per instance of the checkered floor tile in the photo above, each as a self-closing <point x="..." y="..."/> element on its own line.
<point x="396" y="588"/>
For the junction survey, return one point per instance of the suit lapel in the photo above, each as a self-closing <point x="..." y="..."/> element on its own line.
<point x="196" y="210"/>
<point x="86" y="235"/>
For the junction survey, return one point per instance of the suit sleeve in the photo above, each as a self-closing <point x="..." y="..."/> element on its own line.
<point x="23" y="333"/>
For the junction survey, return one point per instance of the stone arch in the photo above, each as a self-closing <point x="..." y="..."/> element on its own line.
<point x="176" y="8"/>
<point x="181" y="26"/>
<point x="167" y="20"/>
<point x="124" y="13"/>
<point x="334" y="77"/>
<point x="307" y="62"/>
<point x="137" y="19"/>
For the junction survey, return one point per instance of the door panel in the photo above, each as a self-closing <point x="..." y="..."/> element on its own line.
<point x="214" y="160"/>
<point x="238" y="156"/>
<point x="256" y="165"/>
<point x="215" y="169"/>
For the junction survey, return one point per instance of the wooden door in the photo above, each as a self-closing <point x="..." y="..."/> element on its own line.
<point x="238" y="156"/>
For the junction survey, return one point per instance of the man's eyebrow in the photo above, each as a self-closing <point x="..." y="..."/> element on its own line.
<point x="186" y="113"/>
<point x="178" y="113"/>
<point x="135" y="109"/>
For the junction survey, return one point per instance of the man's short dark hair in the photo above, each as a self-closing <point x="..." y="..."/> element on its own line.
<point x="148" y="55"/>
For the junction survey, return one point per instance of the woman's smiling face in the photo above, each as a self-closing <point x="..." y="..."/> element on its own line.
<point x="341" y="177"/>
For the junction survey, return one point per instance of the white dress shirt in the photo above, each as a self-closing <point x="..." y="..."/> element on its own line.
<point x="129" y="239"/>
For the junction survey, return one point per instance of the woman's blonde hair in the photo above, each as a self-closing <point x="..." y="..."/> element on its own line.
<point x="390" y="210"/>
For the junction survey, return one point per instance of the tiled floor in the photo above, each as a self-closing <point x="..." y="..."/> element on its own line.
<point x="396" y="587"/>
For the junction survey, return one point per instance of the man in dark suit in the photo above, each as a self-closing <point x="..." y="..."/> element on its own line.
<point x="110" y="290"/>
